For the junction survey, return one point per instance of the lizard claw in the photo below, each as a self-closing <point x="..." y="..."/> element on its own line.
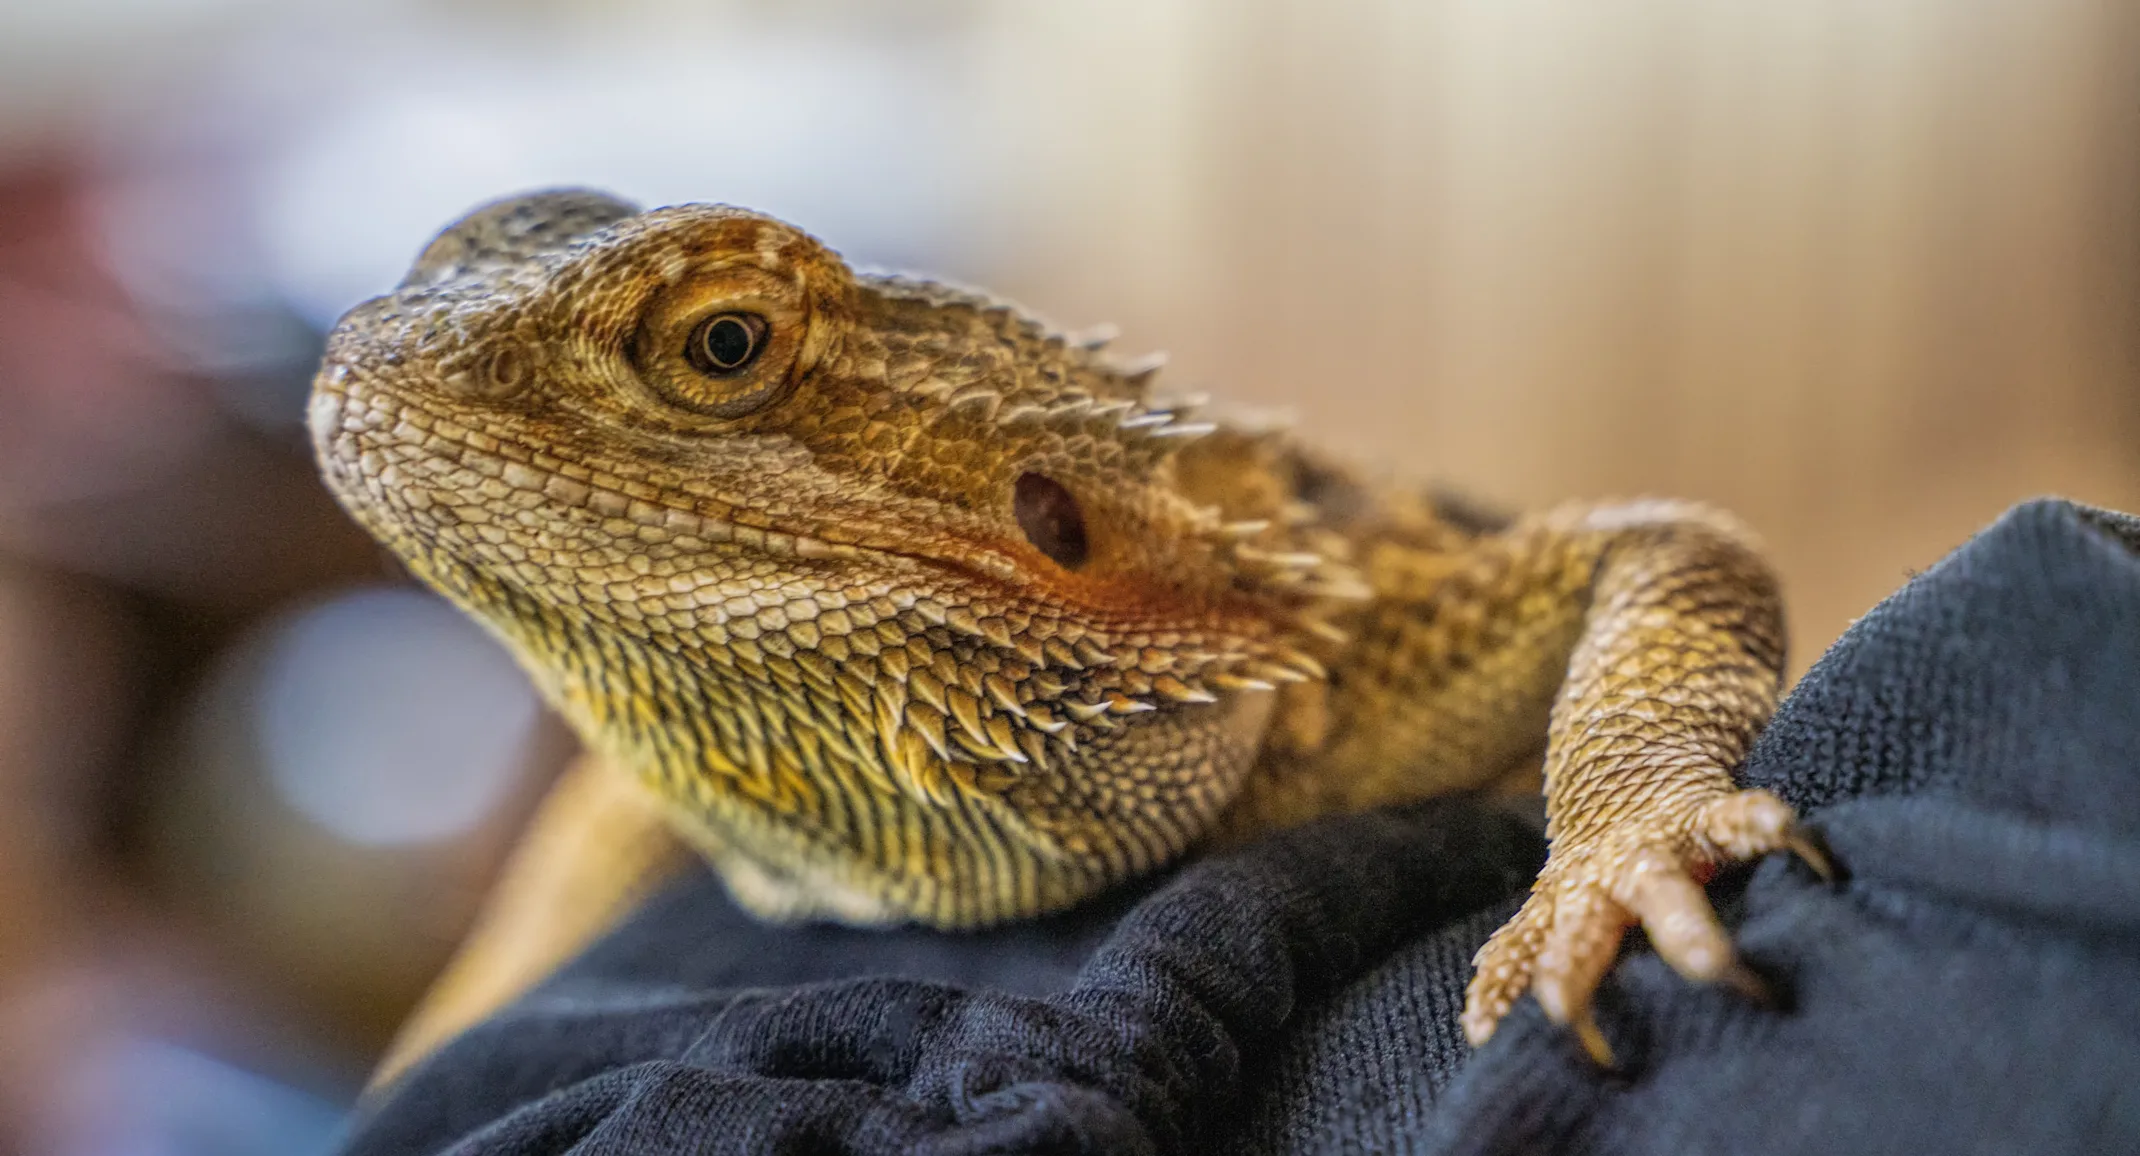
<point x="1646" y="871"/>
<point x="1749" y="984"/>
<point x="1810" y="852"/>
<point x="1588" y="1034"/>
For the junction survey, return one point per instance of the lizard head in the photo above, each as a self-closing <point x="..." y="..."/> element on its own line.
<point x="884" y="586"/>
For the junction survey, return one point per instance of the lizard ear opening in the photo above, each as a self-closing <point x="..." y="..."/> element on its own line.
<point x="1051" y="519"/>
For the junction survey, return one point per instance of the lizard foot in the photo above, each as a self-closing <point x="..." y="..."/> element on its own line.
<point x="1647" y="870"/>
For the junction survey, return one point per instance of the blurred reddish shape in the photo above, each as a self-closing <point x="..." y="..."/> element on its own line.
<point x="87" y="406"/>
<point x="117" y="462"/>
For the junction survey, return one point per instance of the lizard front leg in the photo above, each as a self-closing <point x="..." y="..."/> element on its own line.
<point x="1644" y="642"/>
<point x="1677" y="667"/>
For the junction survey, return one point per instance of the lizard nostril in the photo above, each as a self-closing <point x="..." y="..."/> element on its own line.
<point x="1051" y="519"/>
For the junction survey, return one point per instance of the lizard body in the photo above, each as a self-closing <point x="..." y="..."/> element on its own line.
<point x="899" y="606"/>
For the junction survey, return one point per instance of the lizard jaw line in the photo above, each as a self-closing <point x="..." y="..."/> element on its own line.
<point x="340" y="428"/>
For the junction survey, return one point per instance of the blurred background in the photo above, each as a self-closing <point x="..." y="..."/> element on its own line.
<point x="1866" y="273"/>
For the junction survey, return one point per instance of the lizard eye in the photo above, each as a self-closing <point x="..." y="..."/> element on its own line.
<point x="1051" y="519"/>
<point x="726" y="343"/>
<point x="730" y="342"/>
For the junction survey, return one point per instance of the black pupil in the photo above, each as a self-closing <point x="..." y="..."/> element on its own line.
<point x="729" y="343"/>
<point x="1050" y="517"/>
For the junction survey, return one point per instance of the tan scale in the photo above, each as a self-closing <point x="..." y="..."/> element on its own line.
<point x="898" y="606"/>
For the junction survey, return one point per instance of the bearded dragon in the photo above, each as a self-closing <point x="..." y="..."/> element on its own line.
<point x="897" y="605"/>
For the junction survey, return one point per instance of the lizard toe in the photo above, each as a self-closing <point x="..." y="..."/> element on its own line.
<point x="1588" y="925"/>
<point x="1502" y="968"/>
<point x="1746" y="824"/>
<point x="1659" y="888"/>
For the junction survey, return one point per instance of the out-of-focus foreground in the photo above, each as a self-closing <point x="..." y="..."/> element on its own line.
<point x="1865" y="273"/>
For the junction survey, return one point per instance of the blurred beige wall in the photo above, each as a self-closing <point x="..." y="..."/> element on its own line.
<point x="1865" y="272"/>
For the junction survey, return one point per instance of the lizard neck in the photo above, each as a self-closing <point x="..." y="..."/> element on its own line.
<point x="807" y="784"/>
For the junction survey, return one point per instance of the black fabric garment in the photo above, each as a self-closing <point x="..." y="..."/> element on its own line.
<point x="1970" y="751"/>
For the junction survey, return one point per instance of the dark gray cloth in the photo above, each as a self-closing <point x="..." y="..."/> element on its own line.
<point x="1970" y="751"/>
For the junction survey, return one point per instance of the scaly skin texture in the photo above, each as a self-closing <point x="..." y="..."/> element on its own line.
<point x="920" y="611"/>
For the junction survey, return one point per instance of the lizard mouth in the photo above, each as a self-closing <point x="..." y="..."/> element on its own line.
<point x="364" y="440"/>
